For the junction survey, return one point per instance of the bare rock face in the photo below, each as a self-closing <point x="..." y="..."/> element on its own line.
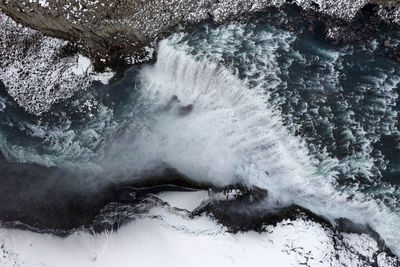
<point x="108" y="30"/>
<point x="104" y="29"/>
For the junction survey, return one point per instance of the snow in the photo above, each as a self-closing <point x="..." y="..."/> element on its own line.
<point x="362" y="244"/>
<point x="186" y="200"/>
<point x="42" y="3"/>
<point x="84" y="67"/>
<point x="343" y="9"/>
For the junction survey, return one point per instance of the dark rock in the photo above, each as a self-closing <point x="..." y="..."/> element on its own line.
<point x="113" y="30"/>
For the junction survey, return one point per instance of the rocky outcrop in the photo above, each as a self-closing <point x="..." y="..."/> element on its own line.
<point x="113" y="29"/>
<point x="110" y="30"/>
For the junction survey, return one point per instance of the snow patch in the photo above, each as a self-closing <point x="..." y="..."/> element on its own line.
<point x="184" y="200"/>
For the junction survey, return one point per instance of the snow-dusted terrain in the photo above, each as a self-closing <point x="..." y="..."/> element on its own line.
<point x="39" y="71"/>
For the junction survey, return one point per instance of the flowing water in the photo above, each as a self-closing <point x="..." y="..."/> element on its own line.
<point x="314" y="124"/>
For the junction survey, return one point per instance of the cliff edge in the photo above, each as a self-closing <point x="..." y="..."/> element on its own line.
<point x="110" y="30"/>
<point x="68" y="42"/>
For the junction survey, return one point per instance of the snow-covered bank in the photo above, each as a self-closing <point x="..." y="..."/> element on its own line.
<point x="165" y="236"/>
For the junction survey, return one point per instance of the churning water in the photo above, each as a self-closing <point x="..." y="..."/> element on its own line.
<point x="315" y="125"/>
